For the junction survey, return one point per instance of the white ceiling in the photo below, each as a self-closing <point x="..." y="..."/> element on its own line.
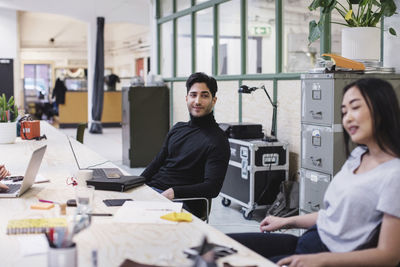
<point x="36" y="30"/>
<point x="132" y="11"/>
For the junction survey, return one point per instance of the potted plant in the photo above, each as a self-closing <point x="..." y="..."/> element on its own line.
<point x="362" y="17"/>
<point x="8" y="116"/>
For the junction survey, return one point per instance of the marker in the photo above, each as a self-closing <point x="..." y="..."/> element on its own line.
<point x="51" y="235"/>
<point x="48" y="201"/>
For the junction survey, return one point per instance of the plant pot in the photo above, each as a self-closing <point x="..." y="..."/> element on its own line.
<point x="8" y="132"/>
<point x="361" y="43"/>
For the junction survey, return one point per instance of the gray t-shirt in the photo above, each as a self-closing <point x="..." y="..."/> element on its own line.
<point x="355" y="203"/>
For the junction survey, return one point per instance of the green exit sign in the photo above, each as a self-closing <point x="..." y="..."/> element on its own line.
<point x="261" y="30"/>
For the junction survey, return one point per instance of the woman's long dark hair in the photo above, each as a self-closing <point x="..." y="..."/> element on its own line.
<point x="384" y="107"/>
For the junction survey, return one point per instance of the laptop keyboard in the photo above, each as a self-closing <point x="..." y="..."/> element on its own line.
<point x="12" y="188"/>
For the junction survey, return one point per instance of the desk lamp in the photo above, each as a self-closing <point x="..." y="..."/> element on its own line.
<point x="244" y="89"/>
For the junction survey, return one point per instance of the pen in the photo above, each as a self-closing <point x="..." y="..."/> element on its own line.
<point x="47" y="201"/>
<point x="98" y="214"/>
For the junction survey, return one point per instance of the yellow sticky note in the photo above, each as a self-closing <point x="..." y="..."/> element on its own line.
<point x="178" y="217"/>
<point x="42" y="206"/>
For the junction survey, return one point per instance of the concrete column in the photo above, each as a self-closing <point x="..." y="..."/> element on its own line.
<point x="153" y="38"/>
<point x="91" y="48"/>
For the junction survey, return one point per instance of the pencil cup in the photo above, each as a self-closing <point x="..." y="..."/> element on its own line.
<point x="62" y="257"/>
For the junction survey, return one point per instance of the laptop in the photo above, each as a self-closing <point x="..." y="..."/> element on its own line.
<point x="110" y="173"/>
<point x="16" y="189"/>
<point x="110" y="178"/>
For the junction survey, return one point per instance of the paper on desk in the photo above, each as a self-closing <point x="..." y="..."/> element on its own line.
<point x="146" y="212"/>
<point x="33" y="244"/>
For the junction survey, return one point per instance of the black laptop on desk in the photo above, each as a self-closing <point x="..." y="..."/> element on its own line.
<point x="110" y="178"/>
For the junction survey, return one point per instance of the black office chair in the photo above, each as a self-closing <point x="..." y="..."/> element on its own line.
<point x="199" y="206"/>
<point x="80" y="131"/>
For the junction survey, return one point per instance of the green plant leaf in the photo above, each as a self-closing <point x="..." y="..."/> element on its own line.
<point x="314" y="32"/>
<point x="11" y="102"/>
<point x="388" y="7"/>
<point x="331" y="6"/>
<point x="355" y="2"/>
<point x="374" y="20"/>
<point x="320" y="4"/>
<point x="3" y="101"/>
<point x="15" y="113"/>
<point x="392" y="31"/>
<point x="315" y="4"/>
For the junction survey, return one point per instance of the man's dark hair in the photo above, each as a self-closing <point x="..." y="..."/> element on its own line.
<point x="385" y="112"/>
<point x="201" y="77"/>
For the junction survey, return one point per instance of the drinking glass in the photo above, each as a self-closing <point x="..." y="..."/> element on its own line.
<point x="84" y="198"/>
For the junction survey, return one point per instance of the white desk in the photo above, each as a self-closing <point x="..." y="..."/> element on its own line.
<point x="115" y="242"/>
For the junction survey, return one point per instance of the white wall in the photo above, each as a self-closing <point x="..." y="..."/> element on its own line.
<point x="136" y="11"/>
<point x="8" y="33"/>
<point x="391" y="55"/>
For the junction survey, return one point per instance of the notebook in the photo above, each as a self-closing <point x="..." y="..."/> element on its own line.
<point x="110" y="173"/>
<point x="35" y="226"/>
<point x="16" y="189"/>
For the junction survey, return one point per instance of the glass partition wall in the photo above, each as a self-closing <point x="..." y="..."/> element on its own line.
<point x="253" y="42"/>
<point x="235" y="40"/>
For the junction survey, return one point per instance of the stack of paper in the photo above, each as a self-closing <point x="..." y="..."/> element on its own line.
<point x="146" y="212"/>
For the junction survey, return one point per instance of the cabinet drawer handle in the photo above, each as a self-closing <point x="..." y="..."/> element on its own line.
<point x="316" y="162"/>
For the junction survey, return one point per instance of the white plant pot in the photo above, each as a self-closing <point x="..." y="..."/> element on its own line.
<point x="361" y="43"/>
<point x="8" y="132"/>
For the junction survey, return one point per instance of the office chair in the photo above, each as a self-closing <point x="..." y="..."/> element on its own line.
<point x="199" y="206"/>
<point x="80" y="131"/>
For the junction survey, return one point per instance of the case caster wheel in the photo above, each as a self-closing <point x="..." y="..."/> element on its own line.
<point x="247" y="214"/>
<point x="225" y="202"/>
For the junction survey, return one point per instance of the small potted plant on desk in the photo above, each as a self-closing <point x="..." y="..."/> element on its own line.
<point x="8" y="116"/>
<point x="361" y="40"/>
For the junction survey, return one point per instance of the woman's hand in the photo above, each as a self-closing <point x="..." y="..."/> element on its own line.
<point x="3" y="172"/>
<point x="307" y="260"/>
<point x="3" y="187"/>
<point x="273" y="223"/>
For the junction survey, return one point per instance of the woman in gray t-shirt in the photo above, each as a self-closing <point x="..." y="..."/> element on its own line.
<point x="360" y="224"/>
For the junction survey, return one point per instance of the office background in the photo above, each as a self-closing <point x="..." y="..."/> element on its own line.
<point x="252" y="42"/>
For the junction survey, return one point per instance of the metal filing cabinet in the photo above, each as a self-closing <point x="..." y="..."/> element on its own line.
<point x="322" y="145"/>
<point x="256" y="169"/>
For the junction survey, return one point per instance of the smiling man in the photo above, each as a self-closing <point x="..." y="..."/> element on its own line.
<point x="195" y="155"/>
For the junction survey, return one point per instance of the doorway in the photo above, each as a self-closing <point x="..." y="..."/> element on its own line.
<point x="37" y="84"/>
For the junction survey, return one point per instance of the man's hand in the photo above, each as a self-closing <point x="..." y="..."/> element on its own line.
<point x="169" y="193"/>
<point x="3" y="172"/>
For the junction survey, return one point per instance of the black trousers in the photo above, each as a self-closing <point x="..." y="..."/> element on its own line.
<point x="278" y="246"/>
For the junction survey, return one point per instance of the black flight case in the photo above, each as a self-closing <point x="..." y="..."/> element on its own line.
<point x="256" y="169"/>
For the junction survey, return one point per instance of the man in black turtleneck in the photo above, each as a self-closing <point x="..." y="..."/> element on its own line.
<point x="195" y="155"/>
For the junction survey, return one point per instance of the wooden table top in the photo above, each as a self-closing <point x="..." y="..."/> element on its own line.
<point x="146" y="243"/>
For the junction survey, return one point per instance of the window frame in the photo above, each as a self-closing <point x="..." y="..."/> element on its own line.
<point x="325" y="45"/>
